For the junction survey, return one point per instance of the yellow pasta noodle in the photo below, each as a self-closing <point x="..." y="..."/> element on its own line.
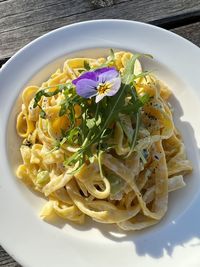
<point x="128" y="182"/>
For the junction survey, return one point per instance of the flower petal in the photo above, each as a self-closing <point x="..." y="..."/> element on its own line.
<point x="116" y="83"/>
<point x="86" y="88"/>
<point x="91" y="75"/>
<point x="99" y="97"/>
<point x="107" y="76"/>
<point x="102" y="70"/>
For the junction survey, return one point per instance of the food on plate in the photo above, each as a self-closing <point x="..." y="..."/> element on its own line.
<point x="99" y="140"/>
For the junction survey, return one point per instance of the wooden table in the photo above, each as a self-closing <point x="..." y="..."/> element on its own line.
<point x="21" y="21"/>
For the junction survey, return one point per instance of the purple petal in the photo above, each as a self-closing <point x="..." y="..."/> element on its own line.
<point x="90" y="75"/>
<point x="116" y="83"/>
<point x="102" y="70"/>
<point x="86" y="88"/>
<point x="99" y="97"/>
<point x="107" y="76"/>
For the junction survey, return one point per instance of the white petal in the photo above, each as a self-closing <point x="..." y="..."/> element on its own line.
<point x="116" y="83"/>
<point x="99" y="97"/>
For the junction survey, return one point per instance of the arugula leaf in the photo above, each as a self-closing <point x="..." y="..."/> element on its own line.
<point x="113" y="107"/>
<point x="43" y="92"/>
<point x="109" y="61"/>
<point x="118" y="100"/>
<point x="111" y="56"/>
<point x="134" y="139"/>
<point x="86" y="65"/>
<point x="142" y="74"/>
<point x="43" y="114"/>
<point x="90" y="123"/>
<point x="72" y="135"/>
<point x="81" y="71"/>
<point x="144" y="99"/>
<point x="135" y="134"/>
<point x="95" y="126"/>
<point x="37" y="98"/>
<point x="63" y="108"/>
<point x="129" y="69"/>
<point x="98" y="120"/>
<point x="126" y="124"/>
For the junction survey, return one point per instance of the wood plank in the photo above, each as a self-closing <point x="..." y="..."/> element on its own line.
<point x="179" y="20"/>
<point x="22" y="22"/>
<point x="102" y="3"/>
<point x="190" y="32"/>
<point x="21" y="28"/>
<point x="15" y="7"/>
<point x="24" y="12"/>
<point x="6" y="260"/>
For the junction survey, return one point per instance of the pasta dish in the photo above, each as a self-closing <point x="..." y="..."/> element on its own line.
<point x="98" y="140"/>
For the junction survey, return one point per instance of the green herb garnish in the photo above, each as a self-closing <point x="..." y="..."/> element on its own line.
<point x="92" y="129"/>
<point x="86" y="65"/>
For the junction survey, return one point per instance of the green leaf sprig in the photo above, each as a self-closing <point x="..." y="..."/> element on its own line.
<point x="92" y="129"/>
<point x="44" y="92"/>
<point x="108" y="111"/>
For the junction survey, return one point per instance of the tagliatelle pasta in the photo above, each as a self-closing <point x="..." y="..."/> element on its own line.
<point x="99" y="140"/>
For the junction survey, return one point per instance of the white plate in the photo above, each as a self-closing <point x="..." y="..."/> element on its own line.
<point x="32" y="242"/>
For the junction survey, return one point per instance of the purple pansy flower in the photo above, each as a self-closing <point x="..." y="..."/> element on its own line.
<point x="101" y="82"/>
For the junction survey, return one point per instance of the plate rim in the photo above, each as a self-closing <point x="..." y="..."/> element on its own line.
<point x="89" y="22"/>
<point x="6" y="66"/>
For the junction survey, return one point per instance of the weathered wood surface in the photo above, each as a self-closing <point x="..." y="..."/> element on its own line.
<point x="21" y="21"/>
<point x="190" y="32"/>
<point x="6" y="260"/>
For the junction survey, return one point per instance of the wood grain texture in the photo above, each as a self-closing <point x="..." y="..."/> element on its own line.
<point x="6" y="260"/>
<point x="190" y="32"/>
<point x="102" y="3"/>
<point x="23" y="22"/>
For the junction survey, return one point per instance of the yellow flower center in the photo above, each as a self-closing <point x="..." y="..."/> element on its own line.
<point x="103" y="87"/>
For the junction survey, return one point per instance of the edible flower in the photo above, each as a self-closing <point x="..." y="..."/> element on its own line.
<point x="100" y="82"/>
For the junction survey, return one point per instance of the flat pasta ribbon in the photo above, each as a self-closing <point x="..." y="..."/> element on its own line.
<point x="131" y="188"/>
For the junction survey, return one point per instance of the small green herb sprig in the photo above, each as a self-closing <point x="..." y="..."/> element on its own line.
<point x="43" y="92"/>
<point x="94" y="129"/>
<point x="102" y="115"/>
